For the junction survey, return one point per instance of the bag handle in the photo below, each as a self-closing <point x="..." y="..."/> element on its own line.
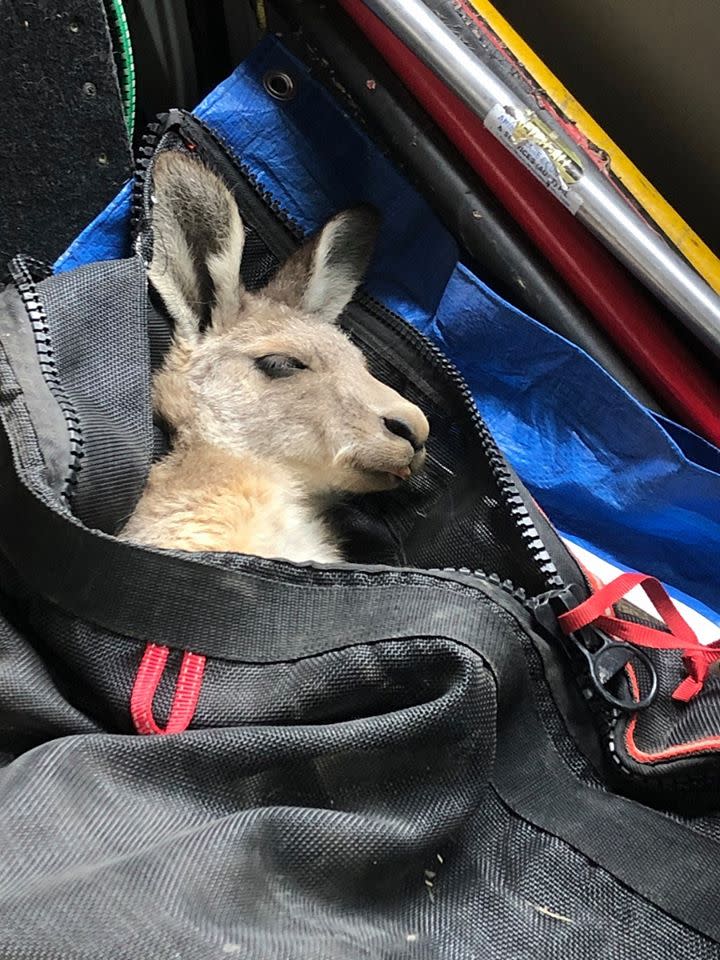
<point x="185" y="696"/>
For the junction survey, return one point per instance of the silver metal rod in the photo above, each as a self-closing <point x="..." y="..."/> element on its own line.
<point x="556" y="161"/>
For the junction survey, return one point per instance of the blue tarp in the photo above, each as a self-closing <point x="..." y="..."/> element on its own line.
<point x="636" y="489"/>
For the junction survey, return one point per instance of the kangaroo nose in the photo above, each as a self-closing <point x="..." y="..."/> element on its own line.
<point x="403" y="429"/>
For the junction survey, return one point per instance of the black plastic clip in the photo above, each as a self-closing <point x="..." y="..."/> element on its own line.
<point x="600" y="656"/>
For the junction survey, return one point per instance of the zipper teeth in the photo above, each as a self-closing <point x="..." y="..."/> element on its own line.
<point x="507" y="487"/>
<point x="143" y="156"/>
<point x="35" y="269"/>
<point x="517" y="593"/>
<point x="25" y="286"/>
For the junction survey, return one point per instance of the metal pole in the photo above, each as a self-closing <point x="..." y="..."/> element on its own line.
<point x="555" y="160"/>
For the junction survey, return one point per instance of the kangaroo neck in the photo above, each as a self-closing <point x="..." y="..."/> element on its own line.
<point x="203" y="498"/>
<point x="203" y="466"/>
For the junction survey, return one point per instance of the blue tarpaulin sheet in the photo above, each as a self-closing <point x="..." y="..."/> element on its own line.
<point x="634" y="488"/>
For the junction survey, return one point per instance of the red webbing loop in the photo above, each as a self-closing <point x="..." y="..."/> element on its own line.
<point x="185" y="698"/>
<point x="597" y="610"/>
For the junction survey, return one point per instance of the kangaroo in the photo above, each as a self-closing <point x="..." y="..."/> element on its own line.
<point x="272" y="410"/>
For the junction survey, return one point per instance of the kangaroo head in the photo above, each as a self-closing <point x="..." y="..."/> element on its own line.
<point x="268" y="375"/>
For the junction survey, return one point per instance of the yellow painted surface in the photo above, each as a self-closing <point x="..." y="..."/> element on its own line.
<point x="669" y="221"/>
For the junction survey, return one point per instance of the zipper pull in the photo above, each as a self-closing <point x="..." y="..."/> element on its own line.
<point x="597" y="659"/>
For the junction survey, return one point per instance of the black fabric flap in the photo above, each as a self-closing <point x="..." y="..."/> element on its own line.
<point x="22" y="324"/>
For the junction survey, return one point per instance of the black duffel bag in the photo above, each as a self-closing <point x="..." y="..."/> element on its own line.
<point x="401" y="756"/>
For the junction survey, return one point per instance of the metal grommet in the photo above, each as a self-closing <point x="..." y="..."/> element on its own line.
<point x="74" y="26"/>
<point x="103" y="159"/>
<point x="279" y="85"/>
<point x="89" y="89"/>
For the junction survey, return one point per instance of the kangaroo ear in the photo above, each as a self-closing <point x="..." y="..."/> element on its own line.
<point x="321" y="277"/>
<point x="198" y="241"/>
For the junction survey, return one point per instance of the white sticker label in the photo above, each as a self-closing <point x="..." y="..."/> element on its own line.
<point x="536" y="146"/>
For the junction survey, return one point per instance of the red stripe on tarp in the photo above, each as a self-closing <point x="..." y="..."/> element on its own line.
<point x="185" y="698"/>
<point x="620" y="305"/>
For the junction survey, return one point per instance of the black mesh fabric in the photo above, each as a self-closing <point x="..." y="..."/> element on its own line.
<point x="259" y="263"/>
<point x="347" y="810"/>
<point x="668" y="722"/>
<point x="671" y="745"/>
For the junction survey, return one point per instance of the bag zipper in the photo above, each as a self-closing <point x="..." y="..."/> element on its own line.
<point x="23" y="271"/>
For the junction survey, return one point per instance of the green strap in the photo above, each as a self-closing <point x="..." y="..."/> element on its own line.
<point x="126" y="63"/>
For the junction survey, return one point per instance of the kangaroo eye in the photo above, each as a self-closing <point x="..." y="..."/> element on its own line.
<point x="276" y="366"/>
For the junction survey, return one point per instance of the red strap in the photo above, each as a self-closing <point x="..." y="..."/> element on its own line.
<point x="597" y="610"/>
<point x="185" y="698"/>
